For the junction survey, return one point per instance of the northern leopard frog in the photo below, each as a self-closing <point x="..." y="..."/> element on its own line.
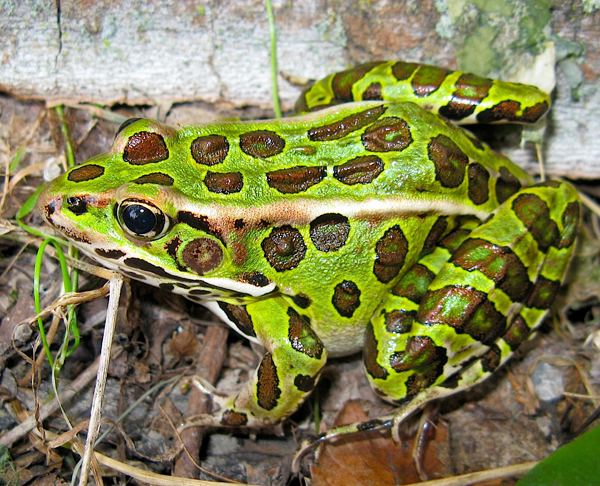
<point x="372" y="224"/>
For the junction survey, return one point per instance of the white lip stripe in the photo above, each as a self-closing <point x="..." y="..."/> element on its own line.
<point x="152" y="279"/>
<point x="239" y="287"/>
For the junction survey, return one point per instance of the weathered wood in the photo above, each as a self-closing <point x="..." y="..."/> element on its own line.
<point x="135" y="52"/>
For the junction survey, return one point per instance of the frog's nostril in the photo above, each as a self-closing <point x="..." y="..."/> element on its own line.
<point x="49" y="208"/>
<point x="48" y="205"/>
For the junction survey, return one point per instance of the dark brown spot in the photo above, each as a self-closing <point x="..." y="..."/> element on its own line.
<point x="535" y="216"/>
<point x="346" y="298"/>
<point x="491" y="359"/>
<point x="435" y="234"/>
<point x="150" y="268"/>
<point x="85" y="173"/>
<point x="202" y="255"/>
<point x="464" y="308"/>
<point x="197" y="291"/>
<point x="261" y="143"/>
<point x="343" y="127"/>
<point x="210" y="149"/>
<point x="371" y="425"/>
<point x="172" y="246"/>
<point x="517" y="333"/>
<point x="295" y="179"/>
<point x="543" y="293"/>
<point x="254" y="278"/>
<point x="239" y="316"/>
<point x="145" y="148"/>
<point x="158" y="178"/>
<point x="414" y="283"/>
<point x="570" y="220"/>
<point x="301" y="300"/>
<point x="479" y="190"/>
<point x="454" y="239"/>
<point x="533" y="113"/>
<point x="284" y="248"/>
<point x="343" y="81"/>
<point x="231" y="418"/>
<point x="301" y="336"/>
<point x="137" y="276"/>
<point x="373" y="92"/>
<point x="428" y="79"/>
<point x="469" y="91"/>
<point x="329" y="232"/>
<point x="112" y="254"/>
<point x="506" y="185"/>
<point x="370" y="355"/>
<point x="386" y="135"/>
<point x="267" y="384"/>
<point x="359" y="170"/>
<point x="168" y="287"/>
<point x="424" y="359"/>
<point x="404" y="70"/>
<point x="498" y="263"/>
<point x="390" y="252"/>
<point x="224" y="182"/>
<point x="304" y="383"/>
<point x="197" y="221"/>
<point x="450" y="161"/>
<point x="399" y="321"/>
<point x="504" y="111"/>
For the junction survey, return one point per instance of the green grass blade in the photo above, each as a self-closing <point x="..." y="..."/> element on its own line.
<point x="72" y="328"/>
<point x="273" y="52"/>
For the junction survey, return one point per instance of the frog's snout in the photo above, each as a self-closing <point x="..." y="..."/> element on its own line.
<point x="49" y="205"/>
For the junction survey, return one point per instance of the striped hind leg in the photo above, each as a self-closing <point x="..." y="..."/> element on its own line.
<point x="485" y="300"/>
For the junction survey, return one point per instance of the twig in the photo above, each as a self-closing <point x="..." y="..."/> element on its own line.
<point x="477" y="477"/>
<point x="209" y="366"/>
<point x="95" y="416"/>
<point x="149" y="477"/>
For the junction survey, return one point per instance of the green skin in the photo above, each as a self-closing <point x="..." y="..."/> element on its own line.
<point x="373" y="224"/>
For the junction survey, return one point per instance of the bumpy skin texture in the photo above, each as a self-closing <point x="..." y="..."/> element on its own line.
<point x="374" y="225"/>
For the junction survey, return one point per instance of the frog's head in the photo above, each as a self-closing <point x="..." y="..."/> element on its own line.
<point x="126" y="209"/>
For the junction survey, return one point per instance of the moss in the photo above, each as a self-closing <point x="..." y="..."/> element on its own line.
<point x="490" y="37"/>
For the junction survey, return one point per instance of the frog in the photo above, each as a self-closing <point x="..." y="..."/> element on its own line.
<point x="369" y="221"/>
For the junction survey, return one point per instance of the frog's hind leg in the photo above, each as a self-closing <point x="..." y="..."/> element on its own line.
<point x="287" y="373"/>
<point x="488" y="297"/>
<point x="463" y="309"/>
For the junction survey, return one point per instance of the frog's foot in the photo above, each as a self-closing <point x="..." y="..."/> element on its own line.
<point x="425" y="433"/>
<point x="336" y="433"/>
<point x="287" y="373"/>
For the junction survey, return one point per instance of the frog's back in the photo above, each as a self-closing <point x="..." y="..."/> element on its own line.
<point x="396" y="156"/>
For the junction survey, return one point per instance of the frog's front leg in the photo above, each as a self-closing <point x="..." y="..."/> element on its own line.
<point x="467" y="315"/>
<point x="287" y="372"/>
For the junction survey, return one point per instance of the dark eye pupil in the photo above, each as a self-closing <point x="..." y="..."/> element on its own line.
<point x="139" y="219"/>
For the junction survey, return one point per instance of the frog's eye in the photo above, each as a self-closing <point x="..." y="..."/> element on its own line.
<point x="142" y="219"/>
